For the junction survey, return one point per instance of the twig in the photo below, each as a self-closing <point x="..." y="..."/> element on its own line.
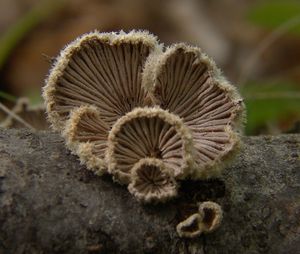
<point x="48" y="59"/>
<point x="15" y="116"/>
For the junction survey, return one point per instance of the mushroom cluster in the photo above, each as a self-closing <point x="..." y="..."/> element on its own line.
<point x="149" y="116"/>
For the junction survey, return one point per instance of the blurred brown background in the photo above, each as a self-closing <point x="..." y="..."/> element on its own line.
<point x="255" y="43"/>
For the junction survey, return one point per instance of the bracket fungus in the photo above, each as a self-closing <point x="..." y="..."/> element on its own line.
<point x="147" y="116"/>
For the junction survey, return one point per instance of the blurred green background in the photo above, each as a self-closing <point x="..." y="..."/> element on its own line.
<point x="256" y="44"/>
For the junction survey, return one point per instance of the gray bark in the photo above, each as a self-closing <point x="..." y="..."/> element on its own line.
<point x="49" y="203"/>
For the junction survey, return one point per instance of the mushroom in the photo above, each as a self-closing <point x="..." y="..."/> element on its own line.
<point x="151" y="181"/>
<point x="100" y="69"/>
<point x="149" y="132"/>
<point x="190" y="227"/>
<point x="34" y="116"/>
<point x="146" y="117"/>
<point x="207" y="220"/>
<point x="186" y="82"/>
<point x="86" y="135"/>
<point x="212" y="216"/>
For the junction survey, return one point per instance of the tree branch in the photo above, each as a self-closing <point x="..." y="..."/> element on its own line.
<point x="49" y="203"/>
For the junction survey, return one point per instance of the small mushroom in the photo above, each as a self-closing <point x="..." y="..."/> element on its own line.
<point x="86" y="135"/>
<point x="35" y="116"/>
<point x="149" y="132"/>
<point x="100" y="69"/>
<point x="188" y="84"/>
<point x="190" y="227"/>
<point x="207" y="220"/>
<point x="212" y="216"/>
<point x="151" y="181"/>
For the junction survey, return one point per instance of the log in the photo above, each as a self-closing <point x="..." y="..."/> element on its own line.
<point x="49" y="203"/>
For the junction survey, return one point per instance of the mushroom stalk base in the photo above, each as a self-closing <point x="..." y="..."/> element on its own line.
<point x="49" y="203"/>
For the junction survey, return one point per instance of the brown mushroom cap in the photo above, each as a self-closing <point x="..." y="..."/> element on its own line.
<point x="149" y="132"/>
<point x="188" y="84"/>
<point x="151" y="181"/>
<point x="101" y="69"/>
<point x="86" y="135"/>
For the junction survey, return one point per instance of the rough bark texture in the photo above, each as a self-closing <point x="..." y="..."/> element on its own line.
<point x="49" y="203"/>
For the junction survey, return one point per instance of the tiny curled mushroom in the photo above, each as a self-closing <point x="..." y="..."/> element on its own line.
<point x="190" y="227"/>
<point x="212" y="215"/>
<point x="207" y="220"/>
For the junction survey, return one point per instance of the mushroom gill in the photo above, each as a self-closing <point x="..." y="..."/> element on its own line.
<point x="151" y="181"/>
<point x="188" y="84"/>
<point x="149" y="132"/>
<point x="100" y="69"/>
<point x="86" y="135"/>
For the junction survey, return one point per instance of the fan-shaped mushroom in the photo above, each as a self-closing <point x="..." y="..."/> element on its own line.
<point x="151" y="181"/>
<point x="100" y="69"/>
<point x="86" y="135"/>
<point x="149" y="132"/>
<point x="188" y="84"/>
